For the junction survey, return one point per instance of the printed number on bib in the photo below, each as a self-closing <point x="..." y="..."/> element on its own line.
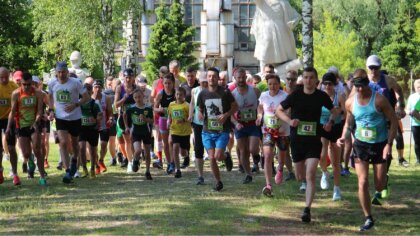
<point x="213" y="124"/>
<point x="271" y="121"/>
<point x="28" y="101"/>
<point x="86" y="121"/>
<point x="177" y="114"/>
<point x="136" y="120"/>
<point x="63" y="96"/>
<point x="367" y="134"/>
<point x="248" y="115"/>
<point x="306" y="128"/>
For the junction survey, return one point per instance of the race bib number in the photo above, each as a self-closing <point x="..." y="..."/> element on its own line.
<point x="4" y="102"/>
<point x="88" y="121"/>
<point x="63" y="96"/>
<point x="306" y="128"/>
<point x="28" y="101"/>
<point x="248" y="115"/>
<point x="177" y="114"/>
<point x="165" y="112"/>
<point x="137" y="120"/>
<point x="213" y="124"/>
<point x="367" y="134"/>
<point x="272" y="122"/>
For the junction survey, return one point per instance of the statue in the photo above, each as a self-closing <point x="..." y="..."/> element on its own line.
<point x="76" y="62"/>
<point x="272" y="28"/>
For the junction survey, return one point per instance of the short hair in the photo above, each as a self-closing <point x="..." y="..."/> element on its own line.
<point x="164" y="70"/>
<point x="269" y="66"/>
<point x="190" y="69"/>
<point x="27" y="76"/>
<point x="174" y="63"/>
<point x="214" y="69"/>
<point x="293" y="72"/>
<point x="88" y="87"/>
<point x="138" y="91"/>
<point x="257" y="77"/>
<point x="240" y="70"/>
<point x="169" y="76"/>
<point x="110" y="78"/>
<point x="272" y="76"/>
<point x="359" y="73"/>
<point x="311" y="69"/>
<point x="181" y="90"/>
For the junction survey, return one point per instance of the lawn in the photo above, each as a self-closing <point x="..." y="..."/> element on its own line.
<point x="118" y="203"/>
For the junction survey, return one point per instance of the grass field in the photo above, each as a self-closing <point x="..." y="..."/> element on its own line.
<point x="118" y="203"/>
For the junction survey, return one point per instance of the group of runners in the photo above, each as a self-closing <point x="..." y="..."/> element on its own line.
<point x="310" y="122"/>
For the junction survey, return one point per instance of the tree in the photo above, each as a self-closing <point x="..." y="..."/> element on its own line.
<point x="334" y="46"/>
<point x="88" y="26"/>
<point x="401" y="55"/>
<point x="307" y="32"/>
<point x="171" y="39"/>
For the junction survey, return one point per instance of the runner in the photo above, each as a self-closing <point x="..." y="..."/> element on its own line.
<point x="64" y="95"/>
<point x="247" y="133"/>
<point x="369" y="111"/>
<point x="109" y="91"/>
<point x="275" y="132"/>
<point x="413" y="102"/>
<point x="26" y="113"/>
<point x="329" y="139"/>
<point x="44" y="125"/>
<point x="180" y="127"/>
<point x="305" y="142"/>
<point x="138" y="121"/>
<point x="216" y="106"/>
<point x="197" y="126"/>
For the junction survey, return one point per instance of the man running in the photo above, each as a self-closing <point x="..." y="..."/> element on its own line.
<point x="305" y="129"/>
<point x="369" y="111"/>
<point x="64" y="95"/>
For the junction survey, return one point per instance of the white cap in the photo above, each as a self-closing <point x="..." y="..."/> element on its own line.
<point x="333" y="69"/>
<point x="203" y="76"/>
<point x="373" y="60"/>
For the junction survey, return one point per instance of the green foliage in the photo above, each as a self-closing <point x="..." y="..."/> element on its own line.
<point x="401" y="54"/>
<point x="333" y="46"/>
<point x="17" y="48"/>
<point x="170" y="40"/>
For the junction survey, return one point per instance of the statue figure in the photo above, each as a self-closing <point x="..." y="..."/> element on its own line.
<point x="272" y="28"/>
<point x="76" y="62"/>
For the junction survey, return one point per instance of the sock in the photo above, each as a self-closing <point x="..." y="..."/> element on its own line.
<point x="256" y="158"/>
<point x="159" y="154"/>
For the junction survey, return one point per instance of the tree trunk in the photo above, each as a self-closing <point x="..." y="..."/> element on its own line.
<point x="307" y="32"/>
<point x="108" y="60"/>
<point x="131" y="52"/>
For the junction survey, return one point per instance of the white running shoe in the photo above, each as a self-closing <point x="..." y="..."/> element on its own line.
<point x="130" y="168"/>
<point x="302" y="187"/>
<point x="337" y="194"/>
<point x="77" y="174"/>
<point x="324" y="180"/>
<point x="6" y="157"/>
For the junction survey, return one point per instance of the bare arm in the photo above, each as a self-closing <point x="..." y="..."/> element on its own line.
<point x="260" y="111"/>
<point x="348" y="126"/>
<point x="40" y="97"/>
<point x="13" y="111"/>
<point x="192" y="105"/>
<point x="281" y="113"/>
<point x="117" y="101"/>
<point x="156" y="106"/>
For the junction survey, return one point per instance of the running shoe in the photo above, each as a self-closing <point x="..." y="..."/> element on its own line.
<point x="178" y="174"/>
<point x="345" y="172"/>
<point x="102" y="166"/>
<point x="186" y="162"/>
<point x="171" y="168"/>
<point x="302" y="187"/>
<point x="16" y="180"/>
<point x="92" y="174"/>
<point x="24" y="167"/>
<point x="148" y="176"/>
<point x="97" y="170"/>
<point x="375" y="199"/>
<point x="73" y="166"/>
<point x="67" y="177"/>
<point x="124" y="163"/>
<point x="306" y="216"/>
<point x="228" y="161"/>
<point x="324" y="180"/>
<point x="279" y="177"/>
<point x="42" y="182"/>
<point x="403" y="162"/>
<point x="241" y="169"/>
<point x="46" y="165"/>
<point x="113" y="161"/>
<point x="60" y="166"/>
<point x="369" y="223"/>
<point x="130" y="168"/>
<point x="152" y="155"/>
<point x="200" y="181"/>
<point x="136" y="165"/>
<point x="85" y="172"/>
<point x="218" y="186"/>
<point x="385" y="193"/>
<point x="77" y="174"/>
<point x="1" y="175"/>
<point x="206" y="157"/>
<point x="158" y="164"/>
<point x="290" y="176"/>
<point x="337" y="194"/>
<point x="120" y="157"/>
<point x="247" y="180"/>
<point x="31" y="165"/>
<point x="255" y="168"/>
<point x="267" y="191"/>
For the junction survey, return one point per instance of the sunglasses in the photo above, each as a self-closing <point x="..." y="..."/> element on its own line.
<point x="291" y="79"/>
<point x="374" y="67"/>
<point x="27" y="84"/>
<point x="358" y="85"/>
<point x="327" y="84"/>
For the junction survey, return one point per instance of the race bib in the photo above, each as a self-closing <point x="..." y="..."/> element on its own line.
<point x="306" y="128"/>
<point x="367" y="134"/>
<point x="63" y="96"/>
<point x="272" y="122"/>
<point x="177" y="114"/>
<point x="165" y="112"/>
<point x="4" y="102"/>
<point x="213" y="124"/>
<point x="136" y="120"/>
<point x="28" y="101"/>
<point x="88" y="121"/>
<point x="247" y="115"/>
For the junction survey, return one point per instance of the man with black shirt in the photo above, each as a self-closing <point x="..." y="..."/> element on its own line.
<point x="216" y="105"/>
<point x="191" y="83"/>
<point x="305" y="130"/>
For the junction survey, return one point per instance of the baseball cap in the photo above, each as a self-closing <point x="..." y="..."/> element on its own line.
<point x="361" y="81"/>
<point x="36" y="79"/>
<point x="329" y="77"/>
<point x="128" y="72"/>
<point x="333" y="69"/>
<point x="142" y="79"/>
<point x="373" y="60"/>
<point x="97" y="83"/>
<point x="61" y="65"/>
<point x="18" y="75"/>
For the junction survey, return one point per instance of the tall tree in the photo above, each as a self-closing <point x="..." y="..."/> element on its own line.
<point x="307" y="32"/>
<point x="170" y="39"/>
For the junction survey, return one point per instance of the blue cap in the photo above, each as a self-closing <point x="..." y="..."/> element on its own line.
<point x="61" y="65"/>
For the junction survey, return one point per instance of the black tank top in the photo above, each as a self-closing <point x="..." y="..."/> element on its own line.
<point x="166" y="99"/>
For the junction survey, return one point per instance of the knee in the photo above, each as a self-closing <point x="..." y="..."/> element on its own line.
<point x="363" y="182"/>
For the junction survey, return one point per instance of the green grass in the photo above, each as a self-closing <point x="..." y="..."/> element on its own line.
<point x="118" y="203"/>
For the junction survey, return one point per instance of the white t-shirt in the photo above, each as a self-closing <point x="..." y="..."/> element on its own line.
<point x="147" y="94"/>
<point x="66" y="94"/>
<point x="270" y="105"/>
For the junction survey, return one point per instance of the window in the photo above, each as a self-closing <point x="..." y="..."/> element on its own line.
<point x="243" y="11"/>
<point x="193" y="16"/>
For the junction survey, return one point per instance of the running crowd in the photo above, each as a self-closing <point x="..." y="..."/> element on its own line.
<point x="303" y="121"/>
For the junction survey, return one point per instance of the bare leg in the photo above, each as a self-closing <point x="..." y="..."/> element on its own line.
<point x="362" y="170"/>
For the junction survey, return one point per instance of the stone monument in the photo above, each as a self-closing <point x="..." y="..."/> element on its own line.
<point x="76" y="62"/>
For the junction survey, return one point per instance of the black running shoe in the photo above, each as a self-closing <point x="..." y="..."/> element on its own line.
<point x="218" y="186"/>
<point x="228" y="161"/>
<point x="247" y="180"/>
<point x="120" y="157"/>
<point x="67" y="177"/>
<point x="200" y="181"/>
<point x="369" y="223"/>
<point x="186" y="162"/>
<point x="136" y="165"/>
<point x="124" y="163"/>
<point x="73" y="167"/>
<point x="241" y="169"/>
<point x="148" y="176"/>
<point x="60" y="166"/>
<point x="306" y="216"/>
<point x="290" y="176"/>
<point x="178" y="174"/>
<point x="113" y="161"/>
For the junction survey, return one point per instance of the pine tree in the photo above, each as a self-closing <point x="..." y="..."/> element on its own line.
<point x="171" y="39"/>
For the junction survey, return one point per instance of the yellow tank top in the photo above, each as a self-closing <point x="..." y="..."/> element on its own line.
<point x="5" y="99"/>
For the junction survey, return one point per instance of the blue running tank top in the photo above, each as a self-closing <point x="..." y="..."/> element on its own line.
<point x="325" y="113"/>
